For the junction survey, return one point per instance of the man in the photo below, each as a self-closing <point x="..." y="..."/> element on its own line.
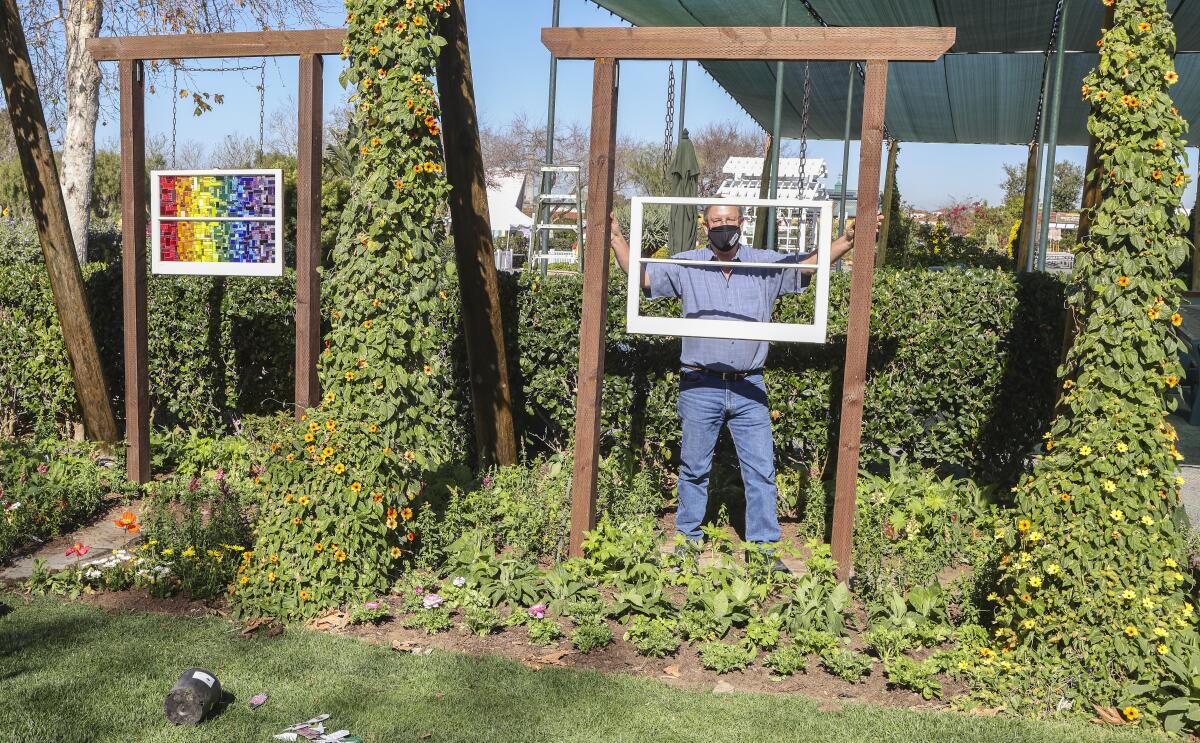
<point x="721" y="381"/>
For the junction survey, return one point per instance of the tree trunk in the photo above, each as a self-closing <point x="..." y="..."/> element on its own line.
<point x="1028" y="208"/>
<point x="50" y="214"/>
<point x="491" y="398"/>
<point x="889" y="192"/>
<point x="82" y="22"/>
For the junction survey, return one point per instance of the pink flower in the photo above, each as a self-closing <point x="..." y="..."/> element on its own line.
<point x="372" y="605"/>
<point x="220" y="475"/>
<point x="419" y="590"/>
<point x="538" y="611"/>
<point x="193" y="484"/>
<point x="42" y="469"/>
<point x="79" y="548"/>
<point x="432" y="601"/>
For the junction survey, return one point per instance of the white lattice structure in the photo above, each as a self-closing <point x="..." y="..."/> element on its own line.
<point x="744" y="181"/>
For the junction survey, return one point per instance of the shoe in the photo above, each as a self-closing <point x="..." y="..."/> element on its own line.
<point x="779" y="567"/>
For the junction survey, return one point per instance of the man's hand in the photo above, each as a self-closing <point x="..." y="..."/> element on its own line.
<point x="615" y="228"/>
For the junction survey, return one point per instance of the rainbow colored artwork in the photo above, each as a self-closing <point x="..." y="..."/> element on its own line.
<point x="217" y="222"/>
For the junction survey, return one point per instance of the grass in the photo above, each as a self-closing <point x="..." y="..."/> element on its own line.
<point x="69" y="672"/>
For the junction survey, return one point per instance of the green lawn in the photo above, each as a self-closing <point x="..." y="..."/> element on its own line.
<point x="69" y="672"/>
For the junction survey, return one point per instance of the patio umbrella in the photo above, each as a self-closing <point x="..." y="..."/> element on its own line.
<point x="685" y="177"/>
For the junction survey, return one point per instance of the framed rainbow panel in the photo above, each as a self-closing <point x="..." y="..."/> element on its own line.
<point x="216" y="222"/>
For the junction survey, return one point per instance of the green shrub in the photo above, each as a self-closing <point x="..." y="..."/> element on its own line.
<point x="917" y="676"/>
<point x="910" y="525"/>
<point x="653" y="636"/>
<point x="846" y="664"/>
<point x="813" y="641"/>
<point x="725" y="658"/>
<point x="887" y="643"/>
<point x="49" y="487"/>
<point x="432" y="621"/>
<point x="482" y="620"/>
<point x="591" y="635"/>
<point x="787" y="660"/>
<point x="543" y="631"/>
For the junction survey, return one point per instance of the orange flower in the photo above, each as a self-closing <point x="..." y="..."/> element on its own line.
<point x="418" y="21"/>
<point x="434" y="130"/>
<point x="318" y="547"/>
<point x="1143" y="27"/>
<point x="1177" y="319"/>
<point x="411" y="536"/>
<point x="339" y="556"/>
<point x="305" y="595"/>
<point x="367" y="324"/>
<point x="377" y="496"/>
<point x="295" y="521"/>
<point x="406" y="514"/>
<point x="1064" y="497"/>
<point x="1123" y="281"/>
<point x="1171" y="77"/>
<point x="128" y="522"/>
<point x="391" y="512"/>
<point x="430" y="121"/>
<point x="399" y="184"/>
<point x="1157" y="174"/>
<point x="1180" y="179"/>
<point x="356" y="486"/>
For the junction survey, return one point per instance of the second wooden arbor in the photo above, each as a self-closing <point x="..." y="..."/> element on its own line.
<point x="877" y="47"/>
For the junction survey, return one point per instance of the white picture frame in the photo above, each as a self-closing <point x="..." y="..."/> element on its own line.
<point x="214" y="268"/>
<point x="814" y="332"/>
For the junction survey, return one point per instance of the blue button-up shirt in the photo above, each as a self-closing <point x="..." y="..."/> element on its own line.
<point x="748" y="294"/>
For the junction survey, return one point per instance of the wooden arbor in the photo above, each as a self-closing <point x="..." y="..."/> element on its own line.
<point x="877" y="46"/>
<point x="130" y="52"/>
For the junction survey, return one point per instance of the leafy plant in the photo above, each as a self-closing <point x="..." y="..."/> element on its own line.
<point x="887" y="643"/>
<point x="763" y="632"/>
<point x="432" y="620"/>
<point x="697" y="624"/>
<point x="482" y="620"/>
<point x="644" y="599"/>
<point x="815" y="601"/>
<point x="1173" y="697"/>
<point x="653" y="636"/>
<point x="918" y="676"/>
<point x="787" y="660"/>
<point x="725" y="658"/>
<point x="846" y="664"/>
<point x="813" y="641"/>
<point x="543" y="631"/>
<point x="369" y="612"/>
<point x="591" y="635"/>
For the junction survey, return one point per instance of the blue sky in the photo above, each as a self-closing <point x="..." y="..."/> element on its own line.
<point x="511" y="76"/>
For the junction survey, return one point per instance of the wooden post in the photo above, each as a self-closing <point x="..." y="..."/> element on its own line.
<point x="595" y="301"/>
<point x="858" y="328"/>
<point x="762" y="215"/>
<point x="889" y="192"/>
<point x="474" y="253"/>
<point x="133" y="268"/>
<point x="308" y="232"/>
<point x="1028" y="207"/>
<point x="54" y="229"/>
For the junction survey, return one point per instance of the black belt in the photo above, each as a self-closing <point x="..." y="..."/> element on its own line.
<point x="727" y="376"/>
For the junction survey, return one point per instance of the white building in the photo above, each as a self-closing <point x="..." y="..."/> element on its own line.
<point x="744" y="177"/>
<point x="508" y="196"/>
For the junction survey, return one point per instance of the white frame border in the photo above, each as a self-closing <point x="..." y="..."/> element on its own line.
<point x="219" y="268"/>
<point x="814" y="332"/>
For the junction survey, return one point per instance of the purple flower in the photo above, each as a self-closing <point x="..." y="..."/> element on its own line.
<point x="42" y="469"/>
<point x="419" y="590"/>
<point x="372" y="605"/>
<point x="432" y="601"/>
<point x="193" y="484"/>
<point x="219" y="476"/>
<point x="487" y="481"/>
<point x="459" y="581"/>
<point x="538" y="611"/>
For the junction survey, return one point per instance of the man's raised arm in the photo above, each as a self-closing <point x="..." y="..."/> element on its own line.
<point x="620" y="248"/>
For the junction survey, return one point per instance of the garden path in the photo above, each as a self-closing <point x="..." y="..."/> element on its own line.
<point x="101" y="537"/>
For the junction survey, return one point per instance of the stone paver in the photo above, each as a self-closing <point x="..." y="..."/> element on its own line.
<point x="102" y="537"/>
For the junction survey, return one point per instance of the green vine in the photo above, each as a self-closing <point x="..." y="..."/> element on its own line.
<point x="340" y="494"/>
<point x="1090" y="575"/>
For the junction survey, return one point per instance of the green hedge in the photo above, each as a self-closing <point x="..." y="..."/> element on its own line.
<point x="218" y="347"/>
<point x="961" y="362"/>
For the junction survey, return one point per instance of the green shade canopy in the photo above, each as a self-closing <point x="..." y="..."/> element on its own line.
<point x="985" y="91"/>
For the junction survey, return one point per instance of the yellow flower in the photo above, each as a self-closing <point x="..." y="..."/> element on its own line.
<point x="1023" y="525"/>
<point x="1052" y="569"/>
<point x="291" y="457"/>
<point x="356" y="486"/>
<point x="1123" y="281"/>
<point x="1122" y="447"/>
<point x="410" y="456"/>
<point x="304" y="500"/>
<point x="1159" y="144"/>
<point x="1160" y="632"/>
<point x="406" y="514"/>
<point x="1131" y="631"/>
<point x="1143" y="26"/>
<point x="1170" y="562"/>
<point x="1064" y="497"/>
<point x="373" y="428"/>
<point x="349" y="376"/>
<point x="1117" y="514"/>
<point x="396" y="552"/>
<point x="339" y="468"/>
<point x="189" y="552"/>
<point x="1129" y="594"/>
<point x="1029" y="623"/>
<point x="1085" y="450"/>
<point x="1109" y="486"/>
<point x="391" y="522"/>
<point x="1177" y="319"/>
<point x="318" y="547"/>
<point x="243" y="580"/>
<point x="1172" y="380"/>
<point x="340" y="556"/>
<point x="305" y="595"/>
<point x="1147" y="520"/>
<point x="328" y="451"/>
<point x="1163" y="649"/>
<point x="295" y="521"/>
<point x="1035" y="581"/>
<point x="1172" y="77"/>
<point x="271" y="577"/>
<point x="309" y="438"/>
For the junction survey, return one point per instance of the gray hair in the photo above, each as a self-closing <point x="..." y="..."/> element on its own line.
<point x="741" y="209"/>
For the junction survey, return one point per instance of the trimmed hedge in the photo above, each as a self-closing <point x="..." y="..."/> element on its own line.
<point x="961" y="372"/>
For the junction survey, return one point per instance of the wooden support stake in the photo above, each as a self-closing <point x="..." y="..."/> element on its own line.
<point x="133" y="268"/>
<point x="54" y="229"/>
<point x="474" y="253"/>
<point x="595" y="301"/>
<point x="858" y="328"/>
<point x="889" y="193"/>
<point x="762" y="215"/>
<point x="1028" y="207"/>
<point x="308" y="233"/>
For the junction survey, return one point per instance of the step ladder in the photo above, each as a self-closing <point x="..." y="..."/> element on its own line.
<point x="548" y="206"/>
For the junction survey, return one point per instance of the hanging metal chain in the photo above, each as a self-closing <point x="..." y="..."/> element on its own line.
<point x="669" y="128"/>
<point x="262" y="105"/>
<point x="174" y="109"/>
<point x="1054" y="28"/>
<point x="805" y="113"/>
<point x="862" y="70"/>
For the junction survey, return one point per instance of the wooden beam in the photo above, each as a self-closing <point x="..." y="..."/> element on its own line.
<point x="911" y="44"/>
<point x="54" y="230"/>
<point x="203" y="46"/>
<point x="133" y="268"/>
<point x="595" y="301"/>
<point x="474" y="253"/>
<point x="889" y="194"/>
<point x="308" y="232"/>
<point x="859" y="326"/>
<point x="1028" y="208"/>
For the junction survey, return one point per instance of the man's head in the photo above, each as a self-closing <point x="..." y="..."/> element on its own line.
<point x="724" y="225"/>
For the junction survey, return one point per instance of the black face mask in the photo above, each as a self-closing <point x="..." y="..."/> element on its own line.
<point x="725" y="236"/>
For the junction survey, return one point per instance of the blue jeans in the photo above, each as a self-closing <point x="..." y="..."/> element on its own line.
<point x="706" y="404"/>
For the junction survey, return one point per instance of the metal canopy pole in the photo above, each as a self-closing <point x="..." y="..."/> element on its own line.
<point x="546" y="177"/>
<point x="846" y="151"/>
<point x="682" y="99"/>
<point x="1052" y="139"/>
<point x="776" y="121"/>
